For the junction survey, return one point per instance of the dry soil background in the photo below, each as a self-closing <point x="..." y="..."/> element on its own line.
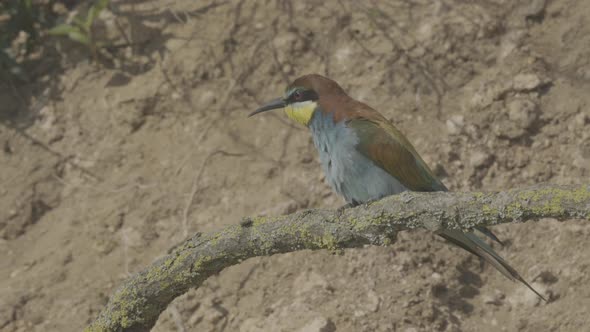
<point x="104" y="168"/>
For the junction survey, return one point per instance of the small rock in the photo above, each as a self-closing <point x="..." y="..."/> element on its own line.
<point x="59" y="9"/>
<point x="291" y="207"/>
<point x="287" y="69"/>
<point x="15" y="273"/>
<point x="582" y="158"/>
<point x="306" y="159"/>
<point x="525" y="297"/>
<point x="47" y="116"/>
<point x="495" y="299"/>
<point x="319" y="324"/>
<point x="522" y="324"/>
<point x="526" y="81"/>
<point x="488" y="93"/>
<point x="67" y="259"/>
<point x="104" y="245"/>
<point x="359" y="313"/>
<point x="173" y="44"/>
<point x="534" y="8"/>
<point x="455" y="124"/>
<point x="523" y="112"/>
<point x="547" y="277"/>
<point x="285" y="40"/>
<point x="481" y="159"/>
<point x="374" y="301"/>
<point x="342" y="54"/>
<point x="581" y="119"/>
<point x="115" y="223"/>
<point x="207" y="99"/>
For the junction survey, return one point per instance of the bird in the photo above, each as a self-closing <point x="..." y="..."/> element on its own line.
<point x="365" y="157"/>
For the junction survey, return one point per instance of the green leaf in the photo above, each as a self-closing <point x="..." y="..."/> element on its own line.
<point x="61" y="30"/>
<point x="80" y="37"/>
<point x="94" y="11"/>
<point x="72" y="32"/>
<point x="79" y="23"/>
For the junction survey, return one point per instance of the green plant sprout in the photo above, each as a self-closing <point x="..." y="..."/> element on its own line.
<point x="80" y="30"/>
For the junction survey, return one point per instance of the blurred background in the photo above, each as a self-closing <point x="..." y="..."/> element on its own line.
<point x="123" y="130"/>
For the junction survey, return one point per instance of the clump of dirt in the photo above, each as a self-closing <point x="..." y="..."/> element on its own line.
<point x="103" y="168"/>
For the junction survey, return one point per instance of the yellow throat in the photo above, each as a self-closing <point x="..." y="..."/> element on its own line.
<point x="301" y="112"/>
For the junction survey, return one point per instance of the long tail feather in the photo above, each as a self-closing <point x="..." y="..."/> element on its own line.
<point x="470" y="242"/>
<point x="488" y="232"/>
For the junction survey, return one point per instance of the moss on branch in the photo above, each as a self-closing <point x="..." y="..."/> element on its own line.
<point x="136" y="305"/>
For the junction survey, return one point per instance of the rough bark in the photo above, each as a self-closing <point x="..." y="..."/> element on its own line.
<point x="136" y="305"/>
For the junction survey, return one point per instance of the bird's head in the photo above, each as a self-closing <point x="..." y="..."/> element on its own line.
<point x="302" y="97"/>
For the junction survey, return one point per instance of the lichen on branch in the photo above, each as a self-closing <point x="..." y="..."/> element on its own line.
<point x="136" y="305"/>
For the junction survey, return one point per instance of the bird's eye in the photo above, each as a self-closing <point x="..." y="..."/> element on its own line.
<point x="297" y="95"/>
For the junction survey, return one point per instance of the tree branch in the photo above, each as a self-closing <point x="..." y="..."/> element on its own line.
<point x="136" y="305"/>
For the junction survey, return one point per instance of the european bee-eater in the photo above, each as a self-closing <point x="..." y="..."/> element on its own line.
<point x="365" y="157"/>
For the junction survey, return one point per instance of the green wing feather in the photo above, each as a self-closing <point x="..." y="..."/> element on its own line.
<point x="387" y="147"/>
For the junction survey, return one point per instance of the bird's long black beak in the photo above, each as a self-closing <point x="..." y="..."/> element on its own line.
<point x="271" y="105"/>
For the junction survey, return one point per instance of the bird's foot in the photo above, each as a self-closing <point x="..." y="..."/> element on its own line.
<point x="355" y="204"/>
<point x="369" y="202"/>
<point x="341" y="209"/>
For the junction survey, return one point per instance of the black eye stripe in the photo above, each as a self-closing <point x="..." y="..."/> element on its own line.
<point x="302" y="95"/>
